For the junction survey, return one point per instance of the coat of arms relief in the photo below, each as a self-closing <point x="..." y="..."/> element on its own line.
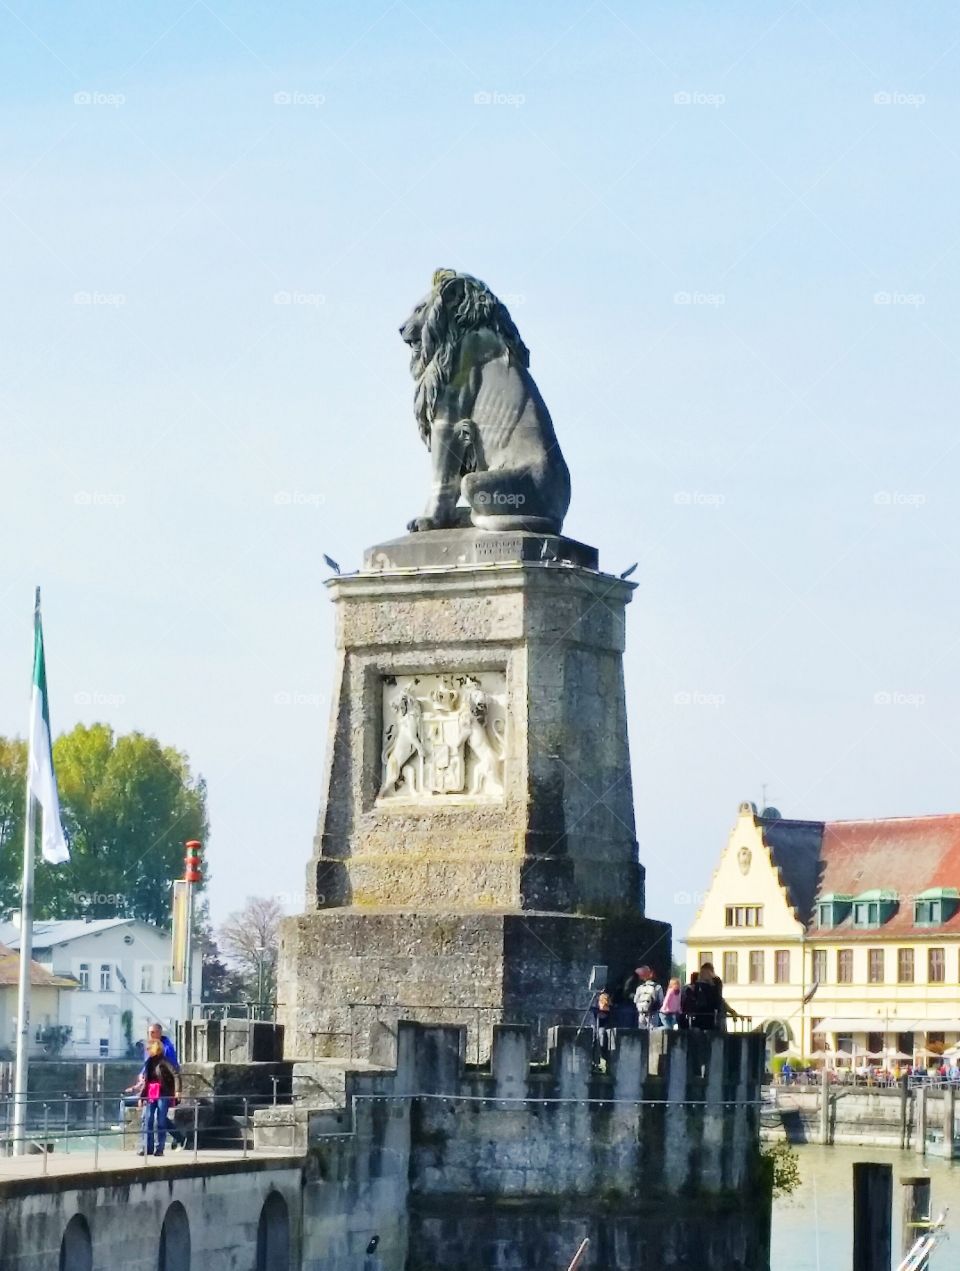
<point x="443" y="735"/>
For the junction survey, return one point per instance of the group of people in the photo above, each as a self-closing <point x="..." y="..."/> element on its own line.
<point x="157" y="1090"/>
<point x="644" y="1003"/>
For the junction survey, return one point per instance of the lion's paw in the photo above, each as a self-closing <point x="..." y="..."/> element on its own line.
<point x="420" y="523"/>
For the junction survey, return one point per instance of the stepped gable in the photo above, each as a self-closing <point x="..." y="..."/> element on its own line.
<point x="795" y="848"/>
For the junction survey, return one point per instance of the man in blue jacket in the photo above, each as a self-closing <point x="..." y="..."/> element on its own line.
<point x="156" y="1034"/>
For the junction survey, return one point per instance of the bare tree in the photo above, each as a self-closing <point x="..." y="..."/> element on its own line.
<point x="250" y="939"/>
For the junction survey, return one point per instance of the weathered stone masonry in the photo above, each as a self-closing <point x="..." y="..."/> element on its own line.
<point x="456" y="1166"/>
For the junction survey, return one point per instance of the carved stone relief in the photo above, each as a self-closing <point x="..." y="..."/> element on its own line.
<point x="444" y="737"/>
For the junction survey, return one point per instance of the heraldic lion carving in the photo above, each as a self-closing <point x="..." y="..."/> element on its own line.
<point x="489" y="433"/>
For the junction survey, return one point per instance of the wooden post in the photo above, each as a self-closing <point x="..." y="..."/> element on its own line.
<point x="949" y="1119"/>
<point x="920" y="1094"/>
<point x="872" y="1216"/>
<point x="825" y="1105"/>
<point x="916" y="1211"/>
<point x="904" y="1097"/>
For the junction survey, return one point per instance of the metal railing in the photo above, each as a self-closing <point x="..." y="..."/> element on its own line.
<point x="478" y="1021"/>
<point x="223" y="1123"/>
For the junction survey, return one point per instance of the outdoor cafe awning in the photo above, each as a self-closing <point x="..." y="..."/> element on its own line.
<point x="886" y="1024"/>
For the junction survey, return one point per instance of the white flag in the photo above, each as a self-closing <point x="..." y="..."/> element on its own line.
<point x="41" y="779"/>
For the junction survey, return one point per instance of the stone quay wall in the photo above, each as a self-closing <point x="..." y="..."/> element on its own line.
<point x="922" y="1118"/>
<point x="657" y="1160"/>
<point x="440" y="1163"/>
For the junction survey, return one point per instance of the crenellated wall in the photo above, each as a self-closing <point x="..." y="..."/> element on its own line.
<point x="439" y="1163"/>
<point x="512" y="1165"/>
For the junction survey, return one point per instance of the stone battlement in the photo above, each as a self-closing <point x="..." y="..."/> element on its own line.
<point x="511" y="1163"/>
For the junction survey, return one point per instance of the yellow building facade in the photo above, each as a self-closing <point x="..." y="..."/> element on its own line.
<point x="838" y="936"/>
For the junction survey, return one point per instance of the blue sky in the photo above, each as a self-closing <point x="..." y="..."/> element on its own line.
<point x="729" y="236"/>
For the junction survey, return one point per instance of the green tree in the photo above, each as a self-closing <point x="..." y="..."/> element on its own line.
<point x="127" y="804"/>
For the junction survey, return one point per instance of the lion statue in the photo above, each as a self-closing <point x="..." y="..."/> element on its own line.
<point x="489" y="434"/>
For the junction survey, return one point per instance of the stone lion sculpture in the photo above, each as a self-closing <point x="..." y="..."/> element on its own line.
<point x="489" y="433"/>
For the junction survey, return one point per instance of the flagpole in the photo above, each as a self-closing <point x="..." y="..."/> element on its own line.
<point x="26" y="954"/>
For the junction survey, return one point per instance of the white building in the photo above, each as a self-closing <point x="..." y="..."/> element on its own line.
<point x="122" y="970"/>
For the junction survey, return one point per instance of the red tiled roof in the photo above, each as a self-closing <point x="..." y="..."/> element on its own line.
<point x="906" y="855"/>
<point x="40" y="977"/>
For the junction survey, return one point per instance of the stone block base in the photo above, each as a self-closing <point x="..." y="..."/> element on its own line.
<point x="347" y="976"/>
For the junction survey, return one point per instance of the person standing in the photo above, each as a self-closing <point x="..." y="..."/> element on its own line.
<point x="648" y="999"/>
<point x="156" y="1034"/>
<point x="670" y="1011"/>
<point x="159" y="1087"/>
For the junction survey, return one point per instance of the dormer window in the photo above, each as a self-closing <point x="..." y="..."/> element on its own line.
<point x="935" y="906"/>
<point x="874" y="908"/>
<point x="832" y="909"/>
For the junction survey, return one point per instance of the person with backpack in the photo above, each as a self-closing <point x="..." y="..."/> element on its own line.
<point x="648" y="999"/>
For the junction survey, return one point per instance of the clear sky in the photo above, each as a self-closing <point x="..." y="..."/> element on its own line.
<point x="729" y="235"/>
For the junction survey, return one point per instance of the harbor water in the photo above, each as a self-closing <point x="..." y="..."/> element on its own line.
<point x="813" y="1228"/>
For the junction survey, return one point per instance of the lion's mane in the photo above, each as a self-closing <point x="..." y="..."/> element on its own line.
<point x="444" y="325"/>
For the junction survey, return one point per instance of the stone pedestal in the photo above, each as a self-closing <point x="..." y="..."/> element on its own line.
<point x="475" y="849"/>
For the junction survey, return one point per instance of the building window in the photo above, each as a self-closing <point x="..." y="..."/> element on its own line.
<point x="167" y="980"/>
<point x="781" y="966"/>
<point x="818" y="1041"/>
<point x="146" y="978"/>
<point x="904" y="966"/>
<point x="757" y="972"/>
<point x="730" y="962"/>
<point x="934" y="906"/>
<point x="844" y="966"/>
<point x="106" y="978"/>
<point x="743" y="915"/>
<point x="84" y="976"/>
<point x="875" y="966"/>
<point x="832" y="909"/>
<point x="936" y="966"/>
<point x="819" y="966"/>
<point x="875" y="1043"/>
<point x="706" y="957"/>
<point x="81" y="1029"/>
<point x="874" y="908"/>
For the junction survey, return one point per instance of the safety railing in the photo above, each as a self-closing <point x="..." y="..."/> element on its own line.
<point x="480" y="1019"/>
<point x="207" y="1124"/>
